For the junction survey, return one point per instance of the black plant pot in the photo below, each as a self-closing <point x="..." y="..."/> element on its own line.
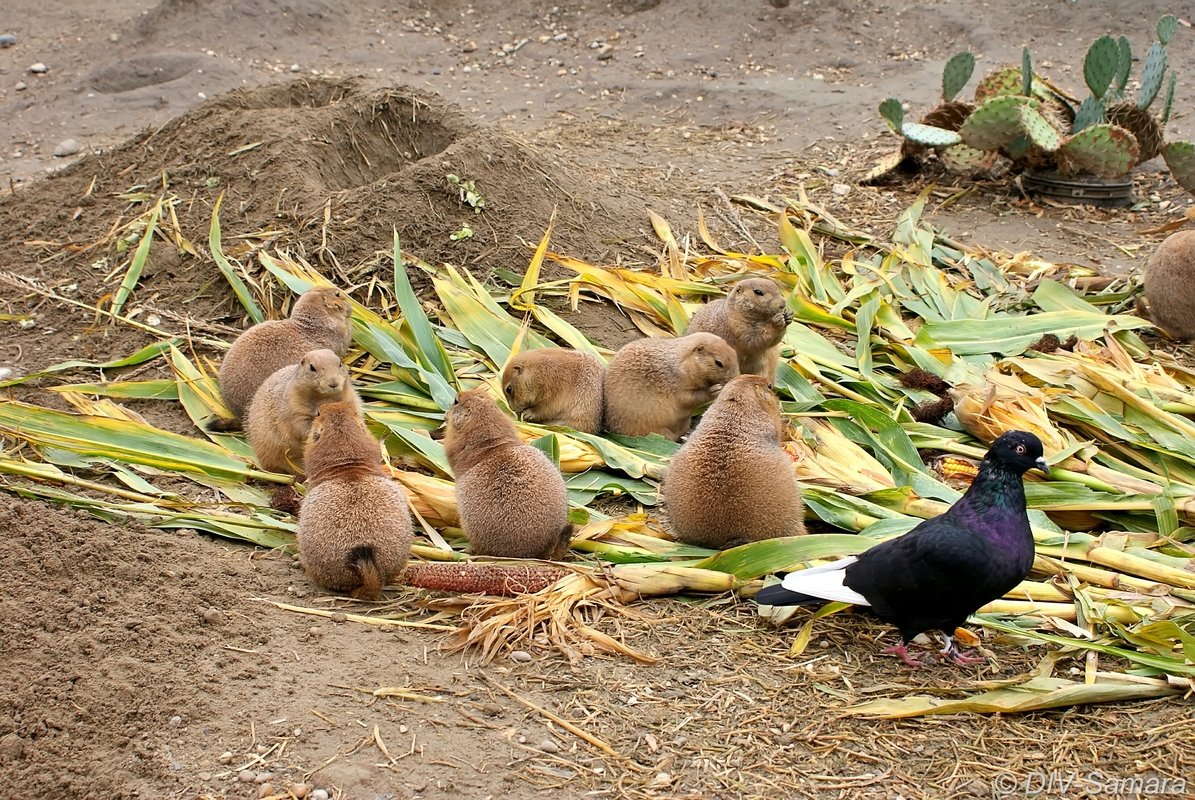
<point x="1086" y="190"/>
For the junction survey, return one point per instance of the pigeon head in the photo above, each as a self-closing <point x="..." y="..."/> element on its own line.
<point x="1018" y="451"/>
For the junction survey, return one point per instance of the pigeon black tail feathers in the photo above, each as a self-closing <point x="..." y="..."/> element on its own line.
<point x="777" y="595"/>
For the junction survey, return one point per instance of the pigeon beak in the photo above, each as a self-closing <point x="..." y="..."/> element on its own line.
<point x="1043" y="466"/>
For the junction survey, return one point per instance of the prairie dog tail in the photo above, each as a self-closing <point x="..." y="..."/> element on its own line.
<point x="224" y="424"/>
<point x="566" y="536"/>
<point x="362" y="560"/>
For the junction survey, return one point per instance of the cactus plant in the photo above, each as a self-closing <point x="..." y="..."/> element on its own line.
<point x="1029" y="121"/>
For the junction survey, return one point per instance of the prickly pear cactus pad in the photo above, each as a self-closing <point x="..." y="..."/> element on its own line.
<point x="1039" y="131"/>
<point x="955" y="75"/>
<point x="1001" y="83"/>
<point x="1105" y="150"/>
<point x="1180" y="157"/>
<point x="963" y="160"/>
<point x="1101" y="65"/>
<point x="928" y="135"/>
<point x="996" y="123"/>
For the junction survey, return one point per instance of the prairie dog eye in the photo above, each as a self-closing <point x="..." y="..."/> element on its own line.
<point x="718" y="363"/>
<point x="759" y="292"/>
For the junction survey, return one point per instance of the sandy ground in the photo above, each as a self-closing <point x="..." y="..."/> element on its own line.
<point x="154" y="664"/>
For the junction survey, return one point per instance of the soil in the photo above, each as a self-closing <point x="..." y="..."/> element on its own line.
<point x="135" y="659"/>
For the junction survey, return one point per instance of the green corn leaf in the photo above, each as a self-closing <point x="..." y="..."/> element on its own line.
<point x="430" y="353"/>
<point x="234" y="280"/>
<point x="783" y="554"/>
<point x="137" y="263"/>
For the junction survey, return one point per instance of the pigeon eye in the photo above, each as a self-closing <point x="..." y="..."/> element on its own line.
<point x="1020" y="449"/>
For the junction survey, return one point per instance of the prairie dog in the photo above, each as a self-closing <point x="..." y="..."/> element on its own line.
<point x="553" y="386"/>
<point x="320" y="319"/>
<point x="752" y="318"/>
<point x="511" y="497"/>
<point x="283" y="408"/>
<point x="655" y="385"/>
<point x="731" y="482"/>
<point x="1170" y="285"/>
<point x="354" y="524"/>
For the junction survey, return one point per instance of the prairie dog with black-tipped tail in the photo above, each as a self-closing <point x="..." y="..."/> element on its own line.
<point x="752" y="318"/>
<point x="731" y="482"/>
<point x="355" y="528"/>
<point x="284" y="406"/>
<point x="553" y="386"/>
<point x="655" y="385"/>
<point x="511" y="497"/>
<point x="1170" y="285"/>
<point x="320" y="319"/>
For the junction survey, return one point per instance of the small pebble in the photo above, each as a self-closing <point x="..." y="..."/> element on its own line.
<point x="339" y="616"/>
<point x="225" y="757"/>
<point x="213" y="616"/>
<point x="67" y="147"/>
<point x="295" y="68"/>
<point x="263" y="777"/>
<point x="38" y="68"/>
<point x="12" y="747"/>
<point x="315" y="632"/>
<point x="560" y="37"/>
<point x="265" y="790"/>
<point x="605" y="52"/>
<point x="261" y="749"/>
<point x="469" y="47"/>
<point x="246" y="776"/>
<point x="114" y="37"/>
<point x="21" y="86"/>
<point x="7" y="40"/>
<point x="491" y="709"/>
<point x="176" y="766"/>
<point x="204" y="776"/>
<point x="300" y="790"/>
<point x="824" y="644"/>
<point x="318" y="794"/>
<point x="841" y="189"/>
<point x="5" y="373"/>
<point x="175" y="721"/>
<point x="549" y="746"/>
<point x="521" y="656"/>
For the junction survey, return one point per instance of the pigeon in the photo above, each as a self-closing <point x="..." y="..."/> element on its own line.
<point x="946" y="568"/>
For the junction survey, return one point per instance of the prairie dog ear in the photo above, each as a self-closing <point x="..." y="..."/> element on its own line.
<point x="699" y="348"/>
<point x="517" y="369"/>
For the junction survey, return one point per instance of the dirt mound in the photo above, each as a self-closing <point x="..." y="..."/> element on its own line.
<point x="331" y="163"/>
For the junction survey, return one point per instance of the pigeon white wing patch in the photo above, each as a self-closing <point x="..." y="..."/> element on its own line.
<point x="824" y="583"/>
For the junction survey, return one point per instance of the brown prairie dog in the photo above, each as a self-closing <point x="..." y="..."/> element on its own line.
<point x="553" y="386"/>
<point x="354" y="524"/>
<point x="752" y="318"/>
<point x="511" y="497"/>
<point x="655" y="385"/>
<point x="1170" y="285"/>
<point x="320" y="319"/>
<point x="283" y="408"/>
<point x="731" y="482"/>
